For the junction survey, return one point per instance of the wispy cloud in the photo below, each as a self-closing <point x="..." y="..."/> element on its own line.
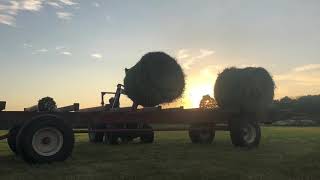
<point x="42" y="50"/>
<point x="307" y="67"/>
<point x="68" y="2"/>
<point x="9" y="9"/>
<point x="96" y="56"/>
<point x="64" y="15"/>
<point x="187" y="58"/>
<point x="27" y="45"/>
<point x="31" y="5"/>
<point x="298" y="81"/>
<point x="95" y="4"/>
<point x="67" y="53"/>
<point x="7" y="19"/>
<point x="54" y="4"/>
<point x="60" y="47"/>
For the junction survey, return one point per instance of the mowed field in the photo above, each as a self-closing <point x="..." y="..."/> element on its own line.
<point x="284" y="153"/>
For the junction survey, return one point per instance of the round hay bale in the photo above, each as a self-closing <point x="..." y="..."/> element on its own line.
<point x="47" y="104"/>
<point x="249" y="90"/>
<point x="157" y="78"/>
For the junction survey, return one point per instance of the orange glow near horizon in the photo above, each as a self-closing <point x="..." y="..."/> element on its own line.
<point x="195" y="93"/>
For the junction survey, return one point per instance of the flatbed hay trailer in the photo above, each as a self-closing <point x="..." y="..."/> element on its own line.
<point x="44" y="137"/>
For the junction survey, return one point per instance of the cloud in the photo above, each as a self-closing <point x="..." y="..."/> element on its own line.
<point x="67" y="53"/>
<point x="204" y="53"/>
<point x="40" y="51"/>
<point x="298" y="81"/>
<point x="43" y="50"/>
<point x="26" y="45"/>
<point x="95" y="4"/>
<point x="31" y="5"/>
<point x="60" y="47"/>
<point x="9" y="9"/>
<point x="64" y="15"/>
<point x="187" y="58"/>
<point x="54" y="4"/>
<point x="307" y="67"/>
<point x="182" y="54"/>
<point x="96" y="56"/>
<point x="7" y="19"/>
<point x="68" y="2"/>
<point x="108" y="18"/>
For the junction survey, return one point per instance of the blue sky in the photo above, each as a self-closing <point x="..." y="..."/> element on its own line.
<point x="73" y="49"/>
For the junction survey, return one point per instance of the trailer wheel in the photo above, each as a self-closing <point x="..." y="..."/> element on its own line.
<point x="111" y="138"/>
<point x="245" y="133"/>
<point x="201" y="134"/>
<point x="45" y="140"/>
<point x="13" y="132"/>
<point x="96" y="137"/>
<point x="148" y="136"/>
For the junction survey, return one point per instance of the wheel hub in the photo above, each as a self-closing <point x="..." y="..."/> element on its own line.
<point x="47" y="141"/>
<point x="249" y="133"/>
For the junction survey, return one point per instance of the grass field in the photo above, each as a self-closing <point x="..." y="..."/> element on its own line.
<point x="284" y="153"/>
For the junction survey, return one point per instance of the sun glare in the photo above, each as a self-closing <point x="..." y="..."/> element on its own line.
<point x="196" y="92"/>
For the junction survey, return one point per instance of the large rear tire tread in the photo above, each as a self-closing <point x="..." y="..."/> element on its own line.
<point x="25" y="138"/>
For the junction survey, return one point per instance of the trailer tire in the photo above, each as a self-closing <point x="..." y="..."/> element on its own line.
<point x="201" y="134"/>
<point x="245" y="133"/>
<point x="111" y="138"/>
<point x="45" y="140"/>
<point x="96" y="137"/>
<point x="12" y="138"/>
<point x="148" y="136"/>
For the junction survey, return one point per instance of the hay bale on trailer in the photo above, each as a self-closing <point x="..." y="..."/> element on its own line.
<point x="249" y="89"/>
<point x="46" y="104"/>
<point x="157" y="78"/>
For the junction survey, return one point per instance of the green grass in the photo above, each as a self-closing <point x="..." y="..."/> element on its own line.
<point x="284" y="153"/>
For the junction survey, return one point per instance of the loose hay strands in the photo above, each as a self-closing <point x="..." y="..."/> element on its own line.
<point x="157" y="78"/>
<point x="250" y="89"/>
<point x="47" y="104"/>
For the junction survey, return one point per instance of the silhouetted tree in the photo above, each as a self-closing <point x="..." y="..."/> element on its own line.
<point x="286" y="100"/>
<point x="208" y="102"/>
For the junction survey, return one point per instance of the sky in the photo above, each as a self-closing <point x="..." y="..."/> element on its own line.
<point x="72" y="50"/>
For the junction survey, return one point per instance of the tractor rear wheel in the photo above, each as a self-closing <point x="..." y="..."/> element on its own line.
<point x="45" y="140"/>
<point x="201" y="133"/>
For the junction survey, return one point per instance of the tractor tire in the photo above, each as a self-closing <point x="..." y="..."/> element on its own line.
<point x="201" y="134"/>
<point x="245" y="133"/>
<point x="96" y="137"/>
<point x="13" y="132"/>
<point x="148" y="136"/>
<point x="45" y="140"/>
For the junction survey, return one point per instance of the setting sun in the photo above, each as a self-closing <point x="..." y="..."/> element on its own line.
<point x="196" y="92"/>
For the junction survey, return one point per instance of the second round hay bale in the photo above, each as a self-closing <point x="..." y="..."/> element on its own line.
<point x="157" y="78"/>
<point x="250" y="89"/>
<point x="47" y="104"/>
